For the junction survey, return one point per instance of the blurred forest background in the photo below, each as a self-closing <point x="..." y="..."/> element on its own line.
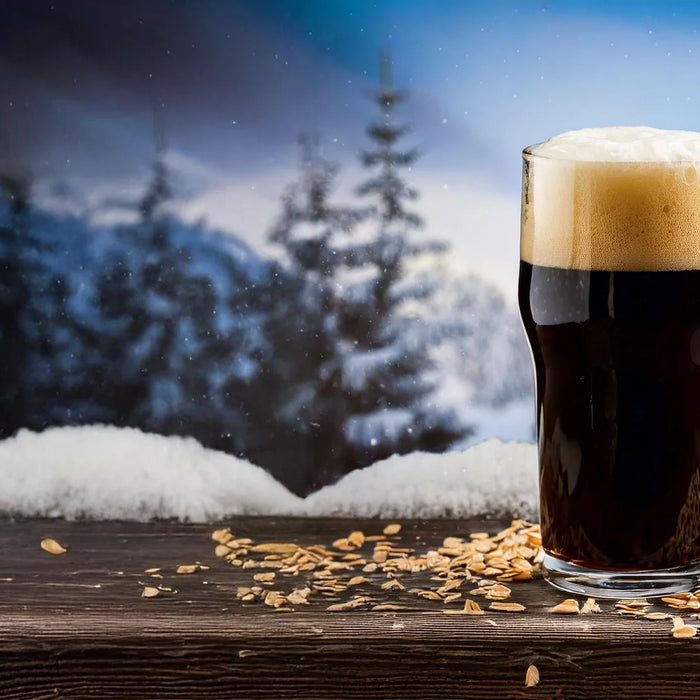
<point x="341" y="350"/>
<point x="286" y="229"/>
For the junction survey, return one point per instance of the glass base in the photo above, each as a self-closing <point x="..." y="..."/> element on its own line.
<point x="597" y="583"/>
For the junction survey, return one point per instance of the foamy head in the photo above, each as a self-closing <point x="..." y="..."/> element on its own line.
<point x="619" y="198"/>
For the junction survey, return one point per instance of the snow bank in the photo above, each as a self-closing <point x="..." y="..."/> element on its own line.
<point x="493" y="477"/>
<point x="105" y="472"/>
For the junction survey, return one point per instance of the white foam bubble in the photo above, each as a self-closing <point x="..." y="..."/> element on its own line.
<point x="623" y="144"/>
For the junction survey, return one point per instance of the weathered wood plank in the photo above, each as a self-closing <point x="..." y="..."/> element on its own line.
<point x="74" y="626"/>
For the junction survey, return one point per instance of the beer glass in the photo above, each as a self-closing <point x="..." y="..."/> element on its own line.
<point x="609" y="294"/>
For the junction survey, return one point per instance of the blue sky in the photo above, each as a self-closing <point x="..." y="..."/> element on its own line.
<point x="237" y="81"/>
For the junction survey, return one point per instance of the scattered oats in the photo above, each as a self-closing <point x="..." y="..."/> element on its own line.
<point x="356" y="538"/>
<point x="273" y="599"/>
<point x="242" y="653"/>
<point x="359" y="601"/>
<point x="532" y="676"/>
<point x="187" y="569"/>
<point x="472" y="608"/>
<point x="52" y="547"/>
<point x="241" y="542"/>
<point x="222" y="535"/>
<point x="150" y="592"/>
<point x="379" y="556"/>
<point x="634" y="602"/>
<point x="498" y="592"/>
<point x="677" y="622"/>
<point x="684" y="632"/>
<point x="590" y="606"/>
<point x="507" y="607"/>
<point x="514" y="554"/>
<point x="337" y="607"/>
<point x="267" y="577"/>
<point x="567" y="607"/>
<point x="337" y="566"/>
<point x="274" y="548"/>
<point x="291" y="570"/>
<point x="451" y="585"/>
<point x="657" y="616"/>
<point x="152" y="570"/>
<point x="299" y="597"/>
<point x="387" y="607"/>
<point x="393" y="585"/>
<point x="271" y="564"/>
<point x="676" y="601"/>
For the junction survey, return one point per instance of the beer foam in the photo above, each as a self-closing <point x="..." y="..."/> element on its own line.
<point x="618" y="198"/>
<point x="623" y="144"/>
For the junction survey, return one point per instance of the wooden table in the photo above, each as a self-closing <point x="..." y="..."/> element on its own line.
<point x="76" y="626"/>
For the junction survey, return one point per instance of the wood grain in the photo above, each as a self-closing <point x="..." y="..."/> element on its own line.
<point x="75" y="626"/>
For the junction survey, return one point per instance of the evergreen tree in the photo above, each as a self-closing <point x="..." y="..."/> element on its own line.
<point x="153" y="310"/>
<point x="35" y="319"/>
<point x="306" y="352"/>
<point x="174" y="329"/>
<point x="387" y="374"/>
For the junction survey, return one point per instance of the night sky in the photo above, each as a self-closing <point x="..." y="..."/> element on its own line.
<point x="235" y="82"/>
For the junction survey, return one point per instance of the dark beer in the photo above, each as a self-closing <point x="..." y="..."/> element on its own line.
<point x="610" y="301"/>
<point x="617" y="360"/>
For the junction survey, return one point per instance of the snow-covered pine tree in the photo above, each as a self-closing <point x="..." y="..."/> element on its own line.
<point x="157" y="316"/>
<point x="306" y="350"/>
<point x="36" y="337"/>
<point x="386" y="371"/>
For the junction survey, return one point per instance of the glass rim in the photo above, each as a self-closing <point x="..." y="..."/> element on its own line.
<point x="528" y="155"/>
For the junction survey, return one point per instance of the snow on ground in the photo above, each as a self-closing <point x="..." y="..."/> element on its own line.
<point x="105" y="472"/>
<point x="493" y="477"/>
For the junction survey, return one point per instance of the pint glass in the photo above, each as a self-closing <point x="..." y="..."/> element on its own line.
<point x="609" y="295"/>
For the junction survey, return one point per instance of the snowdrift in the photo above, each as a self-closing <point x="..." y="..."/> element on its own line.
<point x="104" y="472"/>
